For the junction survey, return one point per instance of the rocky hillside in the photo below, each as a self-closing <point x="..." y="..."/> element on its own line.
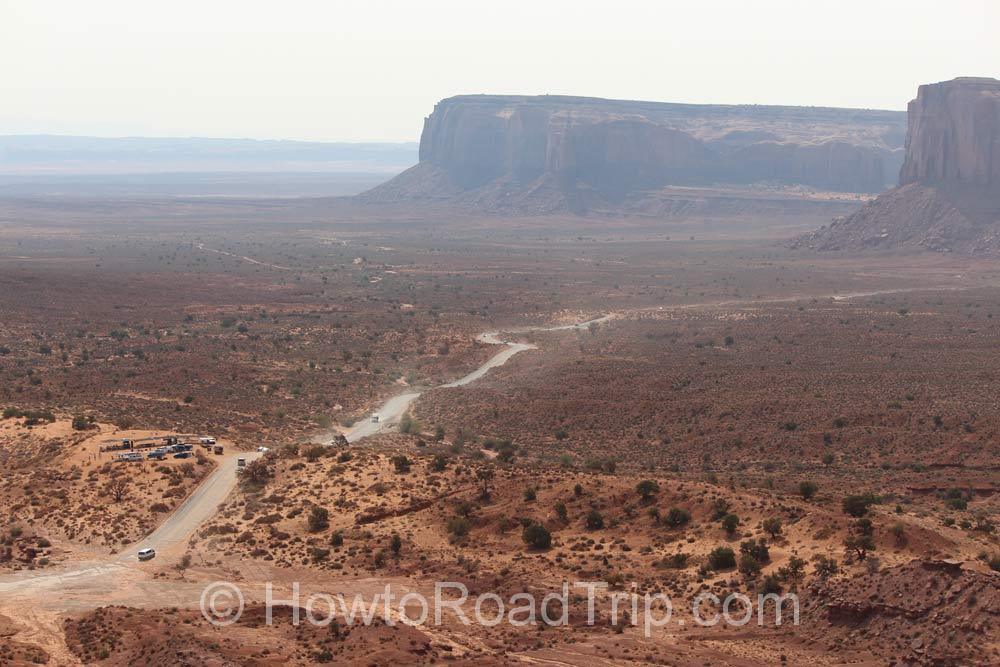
<point x="551" y="153"/>
<point x="949" y="197"/>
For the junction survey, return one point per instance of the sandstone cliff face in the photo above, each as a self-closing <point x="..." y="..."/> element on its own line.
<point x="575" y="150"/>
<point x="954" y="134"/>
<point x="949" y="200"/>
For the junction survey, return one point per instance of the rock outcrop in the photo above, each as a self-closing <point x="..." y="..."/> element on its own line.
<point x="954" y="134"/>
<point x="551" y="153"/>
<point x="949" y="197"/>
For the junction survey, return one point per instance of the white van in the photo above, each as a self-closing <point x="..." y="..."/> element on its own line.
<point x="147" y="554"/>
<point x="207" y="441"/>
<point x="240" y="464"/>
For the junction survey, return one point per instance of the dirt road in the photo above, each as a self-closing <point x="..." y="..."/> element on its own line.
<point x="392" y="410"/>
<point x="101" y="575"/>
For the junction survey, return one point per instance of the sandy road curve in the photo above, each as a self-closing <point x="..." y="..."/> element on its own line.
<point x="392" y="410"/>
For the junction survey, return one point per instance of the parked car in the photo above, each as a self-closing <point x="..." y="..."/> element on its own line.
<point x="183" y="455"/>
<point x="207" y="441"/>
<point x="240" y="464"/>
<point x="147" y="554"/>
<point x="263" y="449"/>
<point x="375" y="418"/>
<point x="157" y="454"/>
<point x="217" y="449"/>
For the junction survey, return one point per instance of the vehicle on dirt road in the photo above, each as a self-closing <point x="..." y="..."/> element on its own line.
<point x="147" y="554"/>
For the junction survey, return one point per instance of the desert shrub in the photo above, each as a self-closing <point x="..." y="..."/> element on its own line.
<point x="677" y="517"/>
<point x="159" y="507"/>
<point x="793" y="571"/>
<point x="730" y="523"/>
<point x="536" y="536"/>
<point x="720" y="508"/>
<point x="771" y="585"/>
<point x="677" y="561"/>
<point x="824" y="566"/>
<point x="957" y="503"/>
<point x="256" y="473"/>
<point x="562" y="512"/>
<point x="721" y="558"/>
<point x="860" y="540"/>
<point x="808" y="490"/>
<point x="772" y="526"/>
<point x="82" y="423"/>
<point x="316" y="452"/>
<point x="530" y="494"/>
<point x="408" y="424"/>
<point x="459" y="526"/>
<point x="439" y="463"/>
<point x="401" y="464"/>
<point x="395" y="544"/>
<point x="337" y="539"/>
<point x="984" y="524"/>
<point x="749" y="566"/>
<point x="595" y="520"/>
<point x="647" y="488"/>
<point x="857" y="505"/>
<point x="319" y="519"/>
<point x="756" y="548"/>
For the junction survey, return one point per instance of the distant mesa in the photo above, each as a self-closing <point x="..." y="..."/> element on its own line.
<point x="949" y="194"/>
<point x="549" y="154"/>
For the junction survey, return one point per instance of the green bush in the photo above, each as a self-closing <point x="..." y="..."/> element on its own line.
<point x="677" y="517"/>
<point x="459" y="526"/>
<point x="730" y="523"/>
<point x="857" y="505"/>
<point x="647" y="488"/>
<point x="319" y="519"/>
<point x="536" y="536"/>
<point x="721" y="558"/>
<point x="772" y="526"/>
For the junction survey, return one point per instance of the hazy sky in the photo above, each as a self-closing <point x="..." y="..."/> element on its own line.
<point x="346" y="70"/>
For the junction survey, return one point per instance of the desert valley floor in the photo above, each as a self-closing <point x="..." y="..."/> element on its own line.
<point x="740" y="417"/>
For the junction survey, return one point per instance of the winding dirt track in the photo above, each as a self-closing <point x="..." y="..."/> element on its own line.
<point x="121" y="578"/>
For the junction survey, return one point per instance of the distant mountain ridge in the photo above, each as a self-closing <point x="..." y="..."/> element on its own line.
<point x="551" y="153"/>
<point x="55" y="154"/>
